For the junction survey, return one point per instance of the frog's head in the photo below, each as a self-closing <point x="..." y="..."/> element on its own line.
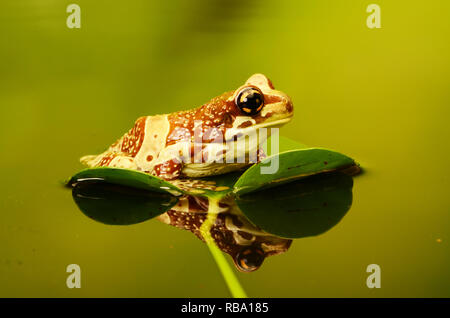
<point x="232" y="117"/>
<point x="258" y="103"/>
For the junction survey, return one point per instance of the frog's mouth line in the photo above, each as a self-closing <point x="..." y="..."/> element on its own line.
<point x="274" y="124"/>
<point x="271" y="124"/>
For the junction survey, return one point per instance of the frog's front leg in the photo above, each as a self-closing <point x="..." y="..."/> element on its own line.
<point x="261" y="155"/>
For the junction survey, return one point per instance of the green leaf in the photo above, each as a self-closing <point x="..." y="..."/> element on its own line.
<point x="118" y="205"/>
<point x="125" y="177"/>
<point x="306" y="207"/>
<point x="292" y="165"/>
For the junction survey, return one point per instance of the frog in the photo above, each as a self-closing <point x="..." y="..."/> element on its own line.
<point x="211" y="139"/>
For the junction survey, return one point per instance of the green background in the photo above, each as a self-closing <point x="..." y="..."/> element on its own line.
<point x="378" y="95"/>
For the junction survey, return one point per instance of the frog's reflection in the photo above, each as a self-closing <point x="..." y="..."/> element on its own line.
<point x="232" y="232"/>
<point x="248" y="228"/>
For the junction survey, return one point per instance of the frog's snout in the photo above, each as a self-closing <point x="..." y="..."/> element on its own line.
<point x="289" y="106"/>
<point x="285" y="106"/>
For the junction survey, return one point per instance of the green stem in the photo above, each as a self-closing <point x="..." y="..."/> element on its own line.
<point x="228" y="275"/>
<point x="227" y="272"/>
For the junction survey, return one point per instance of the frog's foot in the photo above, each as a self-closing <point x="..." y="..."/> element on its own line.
<point x="169" y="169"/>
<point x="89" y="160"/>
<point x="110" y="159"/>
<point x="261" y="155"/>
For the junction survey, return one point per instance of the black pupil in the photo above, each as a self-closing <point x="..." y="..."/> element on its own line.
<point x="250" y="100"/>
<point x="250" y="260"/>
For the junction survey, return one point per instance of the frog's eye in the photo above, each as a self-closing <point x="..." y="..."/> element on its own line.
<point x="249" y="259"/>
<point x="250" y="100"/>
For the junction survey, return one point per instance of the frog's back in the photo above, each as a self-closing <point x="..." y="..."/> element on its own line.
<point x="138" y="148"/>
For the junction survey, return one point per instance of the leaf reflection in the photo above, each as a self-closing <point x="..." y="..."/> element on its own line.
<point x="249" y="228"/>
<point x="118" y="205"/>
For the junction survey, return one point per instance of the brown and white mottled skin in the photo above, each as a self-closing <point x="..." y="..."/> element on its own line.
<point x="159" y="144"/>
<point x="247" y="244"/>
